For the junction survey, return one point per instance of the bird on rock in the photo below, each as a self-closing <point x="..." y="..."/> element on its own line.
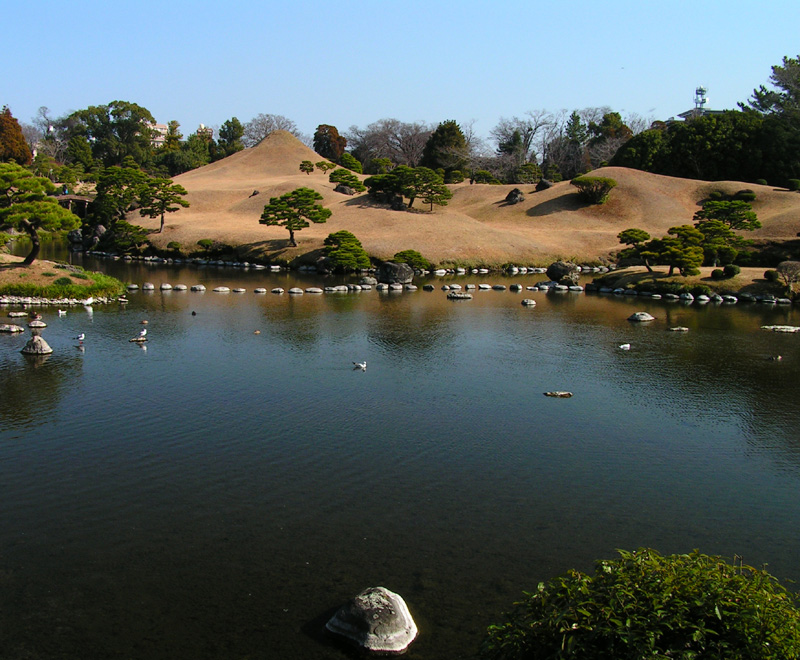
<point x="81" y="337"/>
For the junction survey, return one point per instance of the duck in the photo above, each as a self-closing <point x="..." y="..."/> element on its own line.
<point x="360" y="365"/>
<point x="62" y="312"/>
<point x="625" y="347"/>
<point x="81" y="337"/>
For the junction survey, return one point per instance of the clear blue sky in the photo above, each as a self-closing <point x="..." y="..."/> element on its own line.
<point x="344" y="62"/>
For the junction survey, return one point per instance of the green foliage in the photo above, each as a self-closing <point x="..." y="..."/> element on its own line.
<point x="717" y="274"/>
<point x="454" y="176"/>
<point x="13" y="146"/>
<point x="124" y="238"/>
<point x="794" y="185"/>
<point x="103" y="285"/>
<point x="63" y="281"/>
<point x="205" y="243"/>
<point x="446" y="148"/>
<point x="294" y="211"/>
<point x="593" y="189"/>
<point x="328" y="143"/>
<point x="771" y="275"/>
<point x="761" y="182"/>
<point x="731" y="270"/>
<point x="26" y="204"/>
<point x="413" y="259"/>
<point x="633" y="236"/>
<point x="351" y="163"/>
<point x="174" y="245"/>
<point x="745" y="195"/>
<point x="345" y="252"/>
<point x="160" y="196"/>
<point x="347" y="178"/>
<point x="117" y="190"/>
<point x="736" y="214"/>
<point x="527" y="173"/>
<point x="115" y="131"/>
<point x="325" y="166"/>
<point x="485" y="176"/>
<point x="411" y="182"/>
<point x="381" y="165"/>
<point x="230" y="138"/>
<point x="307" y="166"/>
<point x="645" y="605"/>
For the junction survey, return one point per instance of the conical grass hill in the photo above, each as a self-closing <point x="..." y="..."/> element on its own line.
<point x="476" y="227"/>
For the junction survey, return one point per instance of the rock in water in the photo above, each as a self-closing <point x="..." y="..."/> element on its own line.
<point x="640" y="317"/>
<point x="393" y="273"/>
<point x="37" y="346"/>
<point x="377" y="620"/>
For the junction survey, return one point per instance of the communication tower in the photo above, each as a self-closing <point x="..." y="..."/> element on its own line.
<point x="700" y="99"/>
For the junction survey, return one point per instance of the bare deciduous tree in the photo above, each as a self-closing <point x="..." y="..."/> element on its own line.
<point x="400" y="142"/>
<point x="262" y="125"/>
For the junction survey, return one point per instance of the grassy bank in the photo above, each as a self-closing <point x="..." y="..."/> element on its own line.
<point x="46" y="279"/>
<point x="749" y="280"/>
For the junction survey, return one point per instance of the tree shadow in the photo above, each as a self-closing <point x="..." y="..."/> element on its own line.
<point x="560" y="204"/>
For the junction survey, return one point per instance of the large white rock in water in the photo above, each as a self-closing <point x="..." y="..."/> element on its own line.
<point x="37" y="346"/>
<point x="377" y="620"/>
<point x="641" y="316"/>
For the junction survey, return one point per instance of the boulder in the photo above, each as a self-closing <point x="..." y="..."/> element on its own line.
<point x="37" y="346"/>
<point x="641" y="317"/>
<point x="345" y="190"/>
<point x="544" y="184"/>
<point x="563" y="272"/>
<point x="515" y="196"/>
<point x="397" y="203"/>
<point x="11" y="328"/>
<point x="392" y="273"/>
<point x="75" y="236"/>
<point x="377" y="620"/>
<point x="368" y="279"/>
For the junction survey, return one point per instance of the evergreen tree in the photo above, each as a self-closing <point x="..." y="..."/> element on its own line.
<point x="295" y="210"/>
<point x="27" y="204"/>
<point x="446" y="148"/>
<point x="345" y="252"/>
<point x="159" y="196"/>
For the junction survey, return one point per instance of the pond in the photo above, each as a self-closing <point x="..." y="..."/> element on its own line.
<point x="220" y="490"/>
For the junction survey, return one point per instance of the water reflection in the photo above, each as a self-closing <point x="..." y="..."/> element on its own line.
<point x="217" y="490"/>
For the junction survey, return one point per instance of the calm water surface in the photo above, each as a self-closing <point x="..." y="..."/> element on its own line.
<point x="218" y="493"/>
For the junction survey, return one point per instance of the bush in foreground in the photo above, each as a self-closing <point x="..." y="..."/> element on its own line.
<point x="644" y="605"/>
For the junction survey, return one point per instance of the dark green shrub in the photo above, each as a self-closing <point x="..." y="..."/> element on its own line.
<point x="174" y="245"/>
<point x="794" y="184"/>
<point x="771" y="275"/>
<point x="644" y="605"/>
<point x="454" y="176"/>
<point x="716" y="195"/>
<point x="49" y="273"/>
<point x="761" y="182"/>
<point x="351" y="163"/>
<point x="347" y="178"/>
<point x="717" y="274"/>
<point x="63" y="281"/>
<point x="700" y="290"/>
<point x="345" y="252"/>
<point x="745" y="195"/>
<point x="413" y="259"/>
<point x="80" y="275"/>
<point x="205" y="243"/>
<point x="485" y="176"/>
<point x="593" y="189"/>
<point x="731" y="270"/>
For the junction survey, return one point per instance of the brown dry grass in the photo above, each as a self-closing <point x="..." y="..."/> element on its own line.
<point x="475" y="228"/>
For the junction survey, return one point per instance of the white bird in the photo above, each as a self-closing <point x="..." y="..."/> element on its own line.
<point x="360" y="365"/>
<point x="143" y="332"/>
<point x="62" y="312"/>
<point x="80" y="337"/>
<point x="625" y="347"/>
